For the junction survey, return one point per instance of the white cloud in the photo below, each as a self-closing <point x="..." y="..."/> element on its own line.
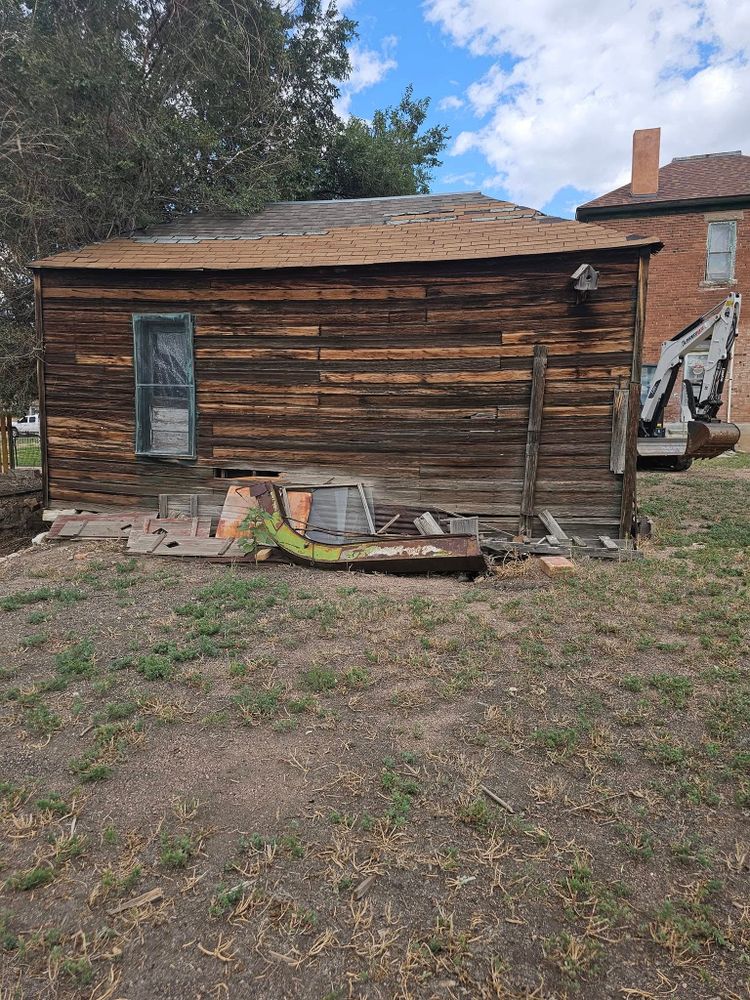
<point x="464" y="181"/>
<point x="368" y="68"/>
<point x="450" y="103"/>
<point x="572" y="79"/>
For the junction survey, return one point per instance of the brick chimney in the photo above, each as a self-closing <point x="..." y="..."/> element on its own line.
<point x="645" y="175"/>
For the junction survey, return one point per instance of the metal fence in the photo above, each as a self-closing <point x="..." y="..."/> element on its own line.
<point x="27" y="451"/>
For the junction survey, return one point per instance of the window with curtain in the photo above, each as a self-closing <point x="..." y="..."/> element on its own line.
<point x="722" y="238"/>
<point x="164" y="385"/>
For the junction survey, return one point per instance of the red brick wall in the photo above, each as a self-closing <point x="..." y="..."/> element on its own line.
<point x="677" y="291"/>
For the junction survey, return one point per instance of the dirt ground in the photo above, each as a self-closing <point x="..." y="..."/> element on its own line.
<point x="280" y="783"/>
<point x="20" y="509"/>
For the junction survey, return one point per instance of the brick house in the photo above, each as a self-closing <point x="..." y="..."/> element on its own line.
<point x="699" y="206"/>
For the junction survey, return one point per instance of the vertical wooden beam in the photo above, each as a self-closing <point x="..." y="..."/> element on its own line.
<point x="533" y="434"/>
<point x="618" y="444"/>
<point x="5" y="443"/>
<point x="627" y="509"/>
<point x="640" y="317"/>
<point x="40" y="376"/>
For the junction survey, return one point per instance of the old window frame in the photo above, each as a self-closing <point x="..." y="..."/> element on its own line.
<point x="140" y="323"/>
<point x="721" y="279"/>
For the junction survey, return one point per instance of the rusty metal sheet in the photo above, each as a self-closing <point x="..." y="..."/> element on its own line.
<point x="237" y="505"/>
<point x="420" y="554"/>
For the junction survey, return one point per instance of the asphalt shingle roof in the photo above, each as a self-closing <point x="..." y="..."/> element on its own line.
<point x="690" y="178"/>
<point x="360" y="231"/>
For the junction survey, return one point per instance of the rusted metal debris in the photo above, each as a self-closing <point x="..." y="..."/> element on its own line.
<point x="423" y="553"/>
<point x="330" y="527"/>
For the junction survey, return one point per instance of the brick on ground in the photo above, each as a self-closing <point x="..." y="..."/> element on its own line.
<point x="556" y="565"/>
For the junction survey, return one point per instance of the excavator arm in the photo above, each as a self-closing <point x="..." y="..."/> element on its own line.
<point x="706" y="437"/>
<point x="718" y="328"/>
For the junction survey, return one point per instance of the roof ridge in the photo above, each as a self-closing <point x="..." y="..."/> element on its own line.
<point x="385" y="197"/>
<point x="703" y="156"/>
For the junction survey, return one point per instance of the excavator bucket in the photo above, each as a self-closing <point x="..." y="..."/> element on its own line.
<point x="676" y="453"/>
<point x="707" y="440"/>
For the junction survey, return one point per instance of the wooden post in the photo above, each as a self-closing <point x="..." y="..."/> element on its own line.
<point x="627" y="509"/>
<point x="6" y="444"/>
<point x="39" y="323"/>
<point x="533" y="434"/>
<point x="619" y="431"/>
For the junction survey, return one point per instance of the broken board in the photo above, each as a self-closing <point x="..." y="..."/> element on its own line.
<point x="91" y="526"/>
<point x="155" y="530"/>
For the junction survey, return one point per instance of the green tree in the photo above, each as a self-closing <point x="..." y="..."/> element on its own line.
<point x="119" y="113"/>
<point x="386" y="157"/>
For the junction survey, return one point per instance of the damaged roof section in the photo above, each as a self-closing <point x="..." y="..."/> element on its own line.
<point x="358" y="231"/>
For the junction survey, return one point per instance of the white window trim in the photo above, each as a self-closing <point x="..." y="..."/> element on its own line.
<point x="707" y="279"/>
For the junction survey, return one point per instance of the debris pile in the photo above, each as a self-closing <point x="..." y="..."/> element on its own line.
<point x="331" y="526"/>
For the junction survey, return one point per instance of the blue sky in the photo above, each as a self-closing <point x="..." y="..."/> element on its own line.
<point x="542" y="96"/>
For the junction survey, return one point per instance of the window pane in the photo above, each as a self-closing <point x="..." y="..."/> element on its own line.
<point x="337" y="515"/>
<point x="647" y="377"/>
<point x="719" y="266"/>
<point x="164" y="420"/>
<point x="165" y="394"/>
<point x="164" y="353"/>
<point x="720" y="237"/>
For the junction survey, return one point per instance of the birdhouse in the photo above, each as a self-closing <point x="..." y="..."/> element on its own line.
<point x="585" y="281"/>
<point x="585" y="278"/>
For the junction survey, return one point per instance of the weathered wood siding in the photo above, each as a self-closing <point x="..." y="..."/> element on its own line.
<point x="414" y="378"/>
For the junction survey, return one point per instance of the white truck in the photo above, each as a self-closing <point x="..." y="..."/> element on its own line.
<point x="25" y="426"/>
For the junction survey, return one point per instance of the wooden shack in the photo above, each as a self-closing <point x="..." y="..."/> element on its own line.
<point x="386" y="341"/>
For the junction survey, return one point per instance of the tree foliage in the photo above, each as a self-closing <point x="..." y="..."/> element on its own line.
<point x="388" y="156"/>
<point x="119" y="113"/>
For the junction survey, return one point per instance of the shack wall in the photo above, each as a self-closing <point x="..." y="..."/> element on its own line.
<point x="414" y="378"/>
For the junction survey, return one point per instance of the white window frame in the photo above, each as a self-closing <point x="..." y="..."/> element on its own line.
<point x="723" y="279"/>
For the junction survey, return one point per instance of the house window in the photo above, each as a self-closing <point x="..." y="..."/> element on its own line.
<point x="647" y="378"/>
<point x="722" y="239"/>
<point x="164" y="385"/>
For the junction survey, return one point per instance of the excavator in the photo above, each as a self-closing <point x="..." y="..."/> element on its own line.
<point x="704" y="436"/>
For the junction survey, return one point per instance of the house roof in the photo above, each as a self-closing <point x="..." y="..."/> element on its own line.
<point x="289" y="234"/>
<point x="710" y="177"/>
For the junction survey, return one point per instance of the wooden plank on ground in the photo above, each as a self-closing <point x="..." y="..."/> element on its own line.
<point x="170" y="546"/>
<point x="185" y="527"/>
<point x="106" y="529"/>
<point x="552" y="525"/>
<point x="607" y="542"/>
<point x="91" y="526"/>
<point x="143" y="542"/>
<point x="533" y="435"/>
<point x="427" y="525"/>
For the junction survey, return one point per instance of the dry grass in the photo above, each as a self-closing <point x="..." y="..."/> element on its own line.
<point x="284" y="783"/>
